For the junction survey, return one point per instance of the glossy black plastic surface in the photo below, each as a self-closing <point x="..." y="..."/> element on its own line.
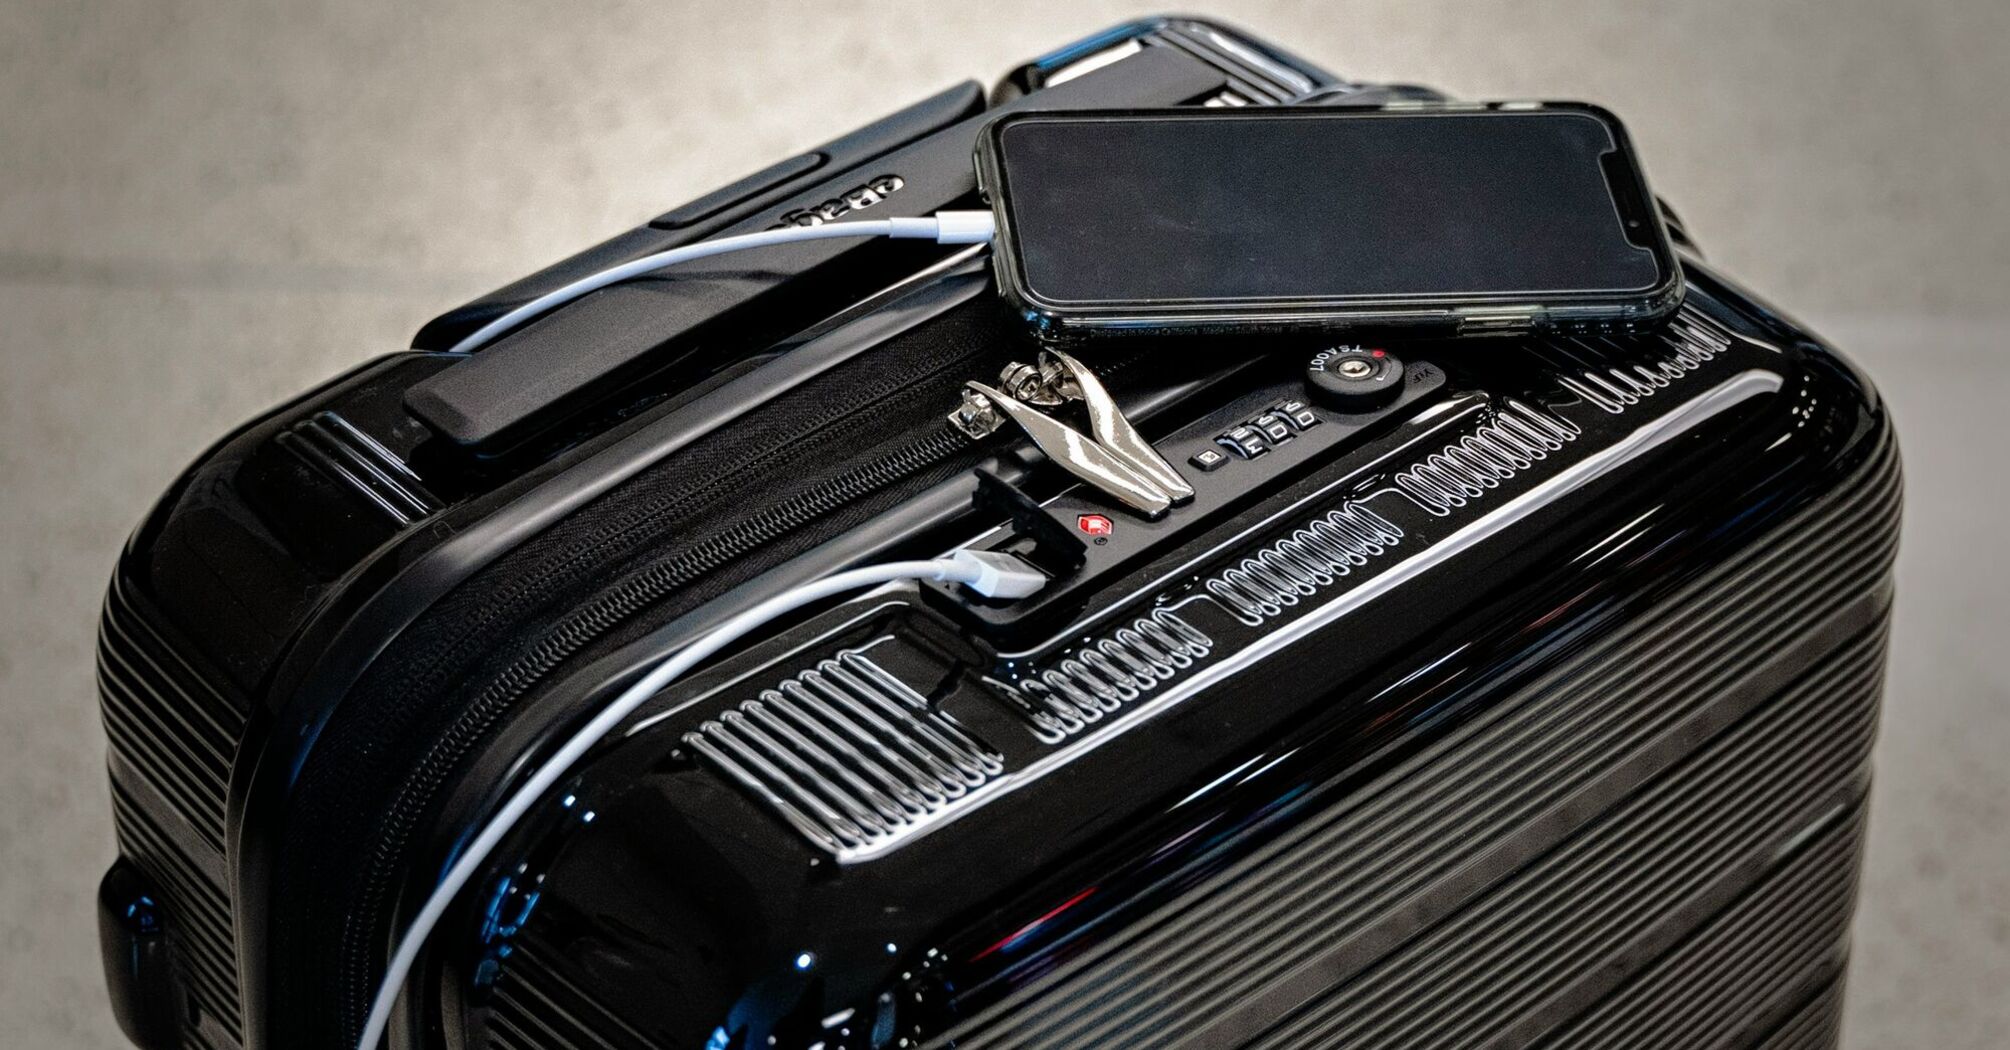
<point x="603" y="340"/>
<point x="1264" y="446"/>
<point x="700" y="218"/>
<point x="132" y="935"/>
<point x="737" y="929"/>
<point x="293" y="554"/>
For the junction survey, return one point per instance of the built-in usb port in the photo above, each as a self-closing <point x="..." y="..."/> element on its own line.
<point x="1481" y="324"/>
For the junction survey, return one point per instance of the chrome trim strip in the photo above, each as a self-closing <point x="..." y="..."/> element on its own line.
<point x="1103" y="674"/>
<point x="1440" y="417"/>
<point x="1694" y="338"/>
<point x="846" y="753"/>
<point x="1648" y="437"/>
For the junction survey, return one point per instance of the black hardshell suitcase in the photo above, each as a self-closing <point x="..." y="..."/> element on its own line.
<point x="1533" y="709"/>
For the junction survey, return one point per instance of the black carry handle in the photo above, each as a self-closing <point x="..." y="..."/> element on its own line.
<point x="707" y="215"/>
<point x="581" y="355"/>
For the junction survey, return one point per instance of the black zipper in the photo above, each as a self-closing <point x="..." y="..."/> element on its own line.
<point x="594" y="621"/>
<point x="578" y="630"/>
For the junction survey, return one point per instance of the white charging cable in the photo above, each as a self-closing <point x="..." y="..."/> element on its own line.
<point x="944" y="227"/>
<point x="990" y="574"/>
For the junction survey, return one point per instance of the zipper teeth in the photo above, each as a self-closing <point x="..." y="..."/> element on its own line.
<point x="472" y="725"/>
<point x="620" y="532"/>
<point x="583" y="628"/>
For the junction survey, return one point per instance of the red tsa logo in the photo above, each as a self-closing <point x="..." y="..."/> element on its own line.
<point x="1095" y="525"/>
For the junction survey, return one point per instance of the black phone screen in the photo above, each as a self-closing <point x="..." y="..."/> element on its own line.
<point x="1328" y="205"/>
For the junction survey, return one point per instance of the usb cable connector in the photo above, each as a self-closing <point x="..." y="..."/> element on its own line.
<point x="944" y="227"/>
<point x="996" y="574"/>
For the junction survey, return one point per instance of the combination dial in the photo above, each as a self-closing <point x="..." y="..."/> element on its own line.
<point x="1355" y="378"/>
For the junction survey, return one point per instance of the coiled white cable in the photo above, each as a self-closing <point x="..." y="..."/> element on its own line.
<point x="945" y="227"/>
<point x="989" y="574"/>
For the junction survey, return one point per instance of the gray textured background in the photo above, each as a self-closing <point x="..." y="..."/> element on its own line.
<point x="207" y="206"/>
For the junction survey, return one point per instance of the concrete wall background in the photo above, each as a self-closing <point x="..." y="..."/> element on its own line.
<point x="207" y="206"/>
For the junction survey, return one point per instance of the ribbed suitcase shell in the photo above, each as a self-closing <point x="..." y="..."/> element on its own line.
<point x="1359" y="885"/>
<point x="1646" y="833"/>
<point x="1641" y="831"/>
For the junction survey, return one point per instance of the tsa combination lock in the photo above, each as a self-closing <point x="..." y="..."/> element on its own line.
<point x="1355" y="378"/>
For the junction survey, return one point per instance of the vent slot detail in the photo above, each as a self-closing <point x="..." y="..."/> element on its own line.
<point x="1326" y="549"/>
<point x="1104" y="674"/>
<point x="198" y="921"/>
<point x="173" y="734"/>
<point x="1517" y="437"/>
<point x="333" y="446"/>
<point x="1695" y="340"/>
<point x="172" y="729"/>
<point x="847" y="754"/>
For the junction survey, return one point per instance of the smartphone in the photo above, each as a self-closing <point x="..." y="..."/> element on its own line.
<point x="1454" y="219"/>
